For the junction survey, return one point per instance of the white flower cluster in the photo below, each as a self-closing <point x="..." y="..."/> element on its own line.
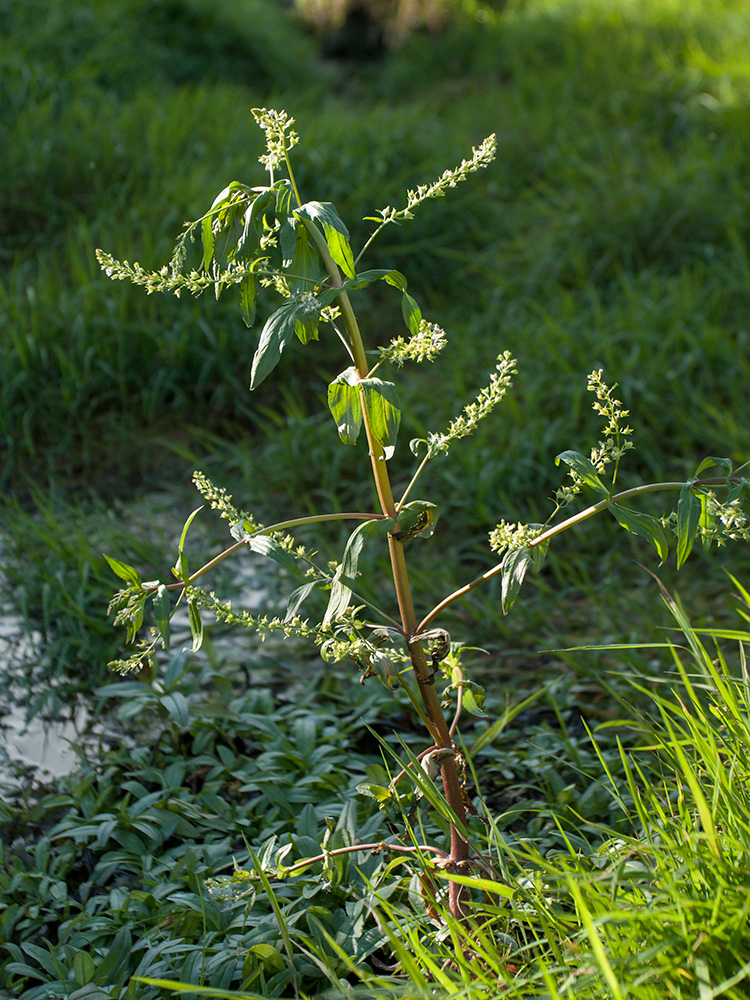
<point x="425" y="345"/>
<point x="487" y="399"/>
<point x="616" y="436"/>
<point x="725" y="521"/>
<point x="168" y="278"/>
<point x="280" y="137"/>
<point x="482" y="156"/>
<point x="513" y="536"/>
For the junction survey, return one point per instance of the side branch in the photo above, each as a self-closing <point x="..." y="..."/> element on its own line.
<point x="557" y="529"/>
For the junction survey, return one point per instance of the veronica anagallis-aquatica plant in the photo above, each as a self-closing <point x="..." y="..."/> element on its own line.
<point x="265" y="238"/>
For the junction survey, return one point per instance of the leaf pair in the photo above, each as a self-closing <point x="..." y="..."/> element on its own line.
<point x="350" y="396"/>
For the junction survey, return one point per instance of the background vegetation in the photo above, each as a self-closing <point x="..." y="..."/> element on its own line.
<point x="612" y="231"/>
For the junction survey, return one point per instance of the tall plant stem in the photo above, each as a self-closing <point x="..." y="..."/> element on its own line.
<point x="438" y="725"/>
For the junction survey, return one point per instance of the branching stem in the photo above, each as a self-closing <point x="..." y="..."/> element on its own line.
<point x="557" y="529"/>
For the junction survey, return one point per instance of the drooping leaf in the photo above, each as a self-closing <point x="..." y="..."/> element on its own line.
<point x="123" y="570"/>
<point x="709" y="463"/>
<point x="384" y="412"/>
<point x="584" y="468"/>
<point x="266" y="546"/>
<point x="295" y="316"/>
<point x="643" y="525"/>
<point x="162" y="613"/>
<point x="207" y="238"/>
<point x="346" y="574"/>
<point x="334" y="230"/>
<point x="385" y="669"/>
<point x="305" y="266"/>
<point x="196" y="626"/>
<point x="688" y="520"/>
<point x="514" y="566"/>
<point x="247" y="299"/>
<point x="284" y="196"/>
<point x="345" y="404"/>
<point x="411" y="312"/>
<point x="253" y="223"/>
<point x="298" y="597"/>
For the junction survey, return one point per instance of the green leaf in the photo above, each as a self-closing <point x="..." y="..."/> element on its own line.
<point x="688" y="520"/>
<point x="293" y="317"/>
<point x="162" y="612"/>
<point x="207" y="238"/>
<point x="249" y="242"/>
<point x="396" y="279"/>
<point x="181" y="567"/>
<point x="297" y="597"/>
<point x="711" y="462"/>
<point x="583" y="468"/>
<point x="266" y="546"/>
<point x="384" y="411"/>
<point x="196" y="626"/>
<point x="247" y="299"/>
<point x="177" y="706"/>
<point x="346" y="574"/>
<point x="643" y="525"/>
<point x="284" y="196"/>
<point x="124" y="571"/>
<point x="473" y="698"/>
<point x="514" y="566"/>
<point x="385" y="669"/>
<point x="378" y="792"/>
<point x="305" y="266"/>
<point x="418" y="517"/>
<point x="411" y="312"/>
<point x="336" y="233"/>
<point x="345" y="404"/>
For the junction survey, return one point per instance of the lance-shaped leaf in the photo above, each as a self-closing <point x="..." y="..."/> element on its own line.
<point x="344" y="577"/>
<point x="334" y="230"/>
<point x="688" y="520"/>
<point x="411" y="312"/>
<point x="266" y="546"/>
<point x="515" y="564"/>
<point x="247" y="299"/>
<point x="162" y="613"/>
<point x="223" y="216"/>
<point x="249" y="244"/>
<point x="196" y="626"/>
<point x="300" y="316"/>
<point x="304" y="266"/>
<point x="584" y="468"/>
<point x="124" y="571"/>
<point x="384" y="412"/>
<point x="643" y="525"/>
<point x="181" y="566"/>
<point x="345" y="404"/>
<point x="298" y="597"/>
